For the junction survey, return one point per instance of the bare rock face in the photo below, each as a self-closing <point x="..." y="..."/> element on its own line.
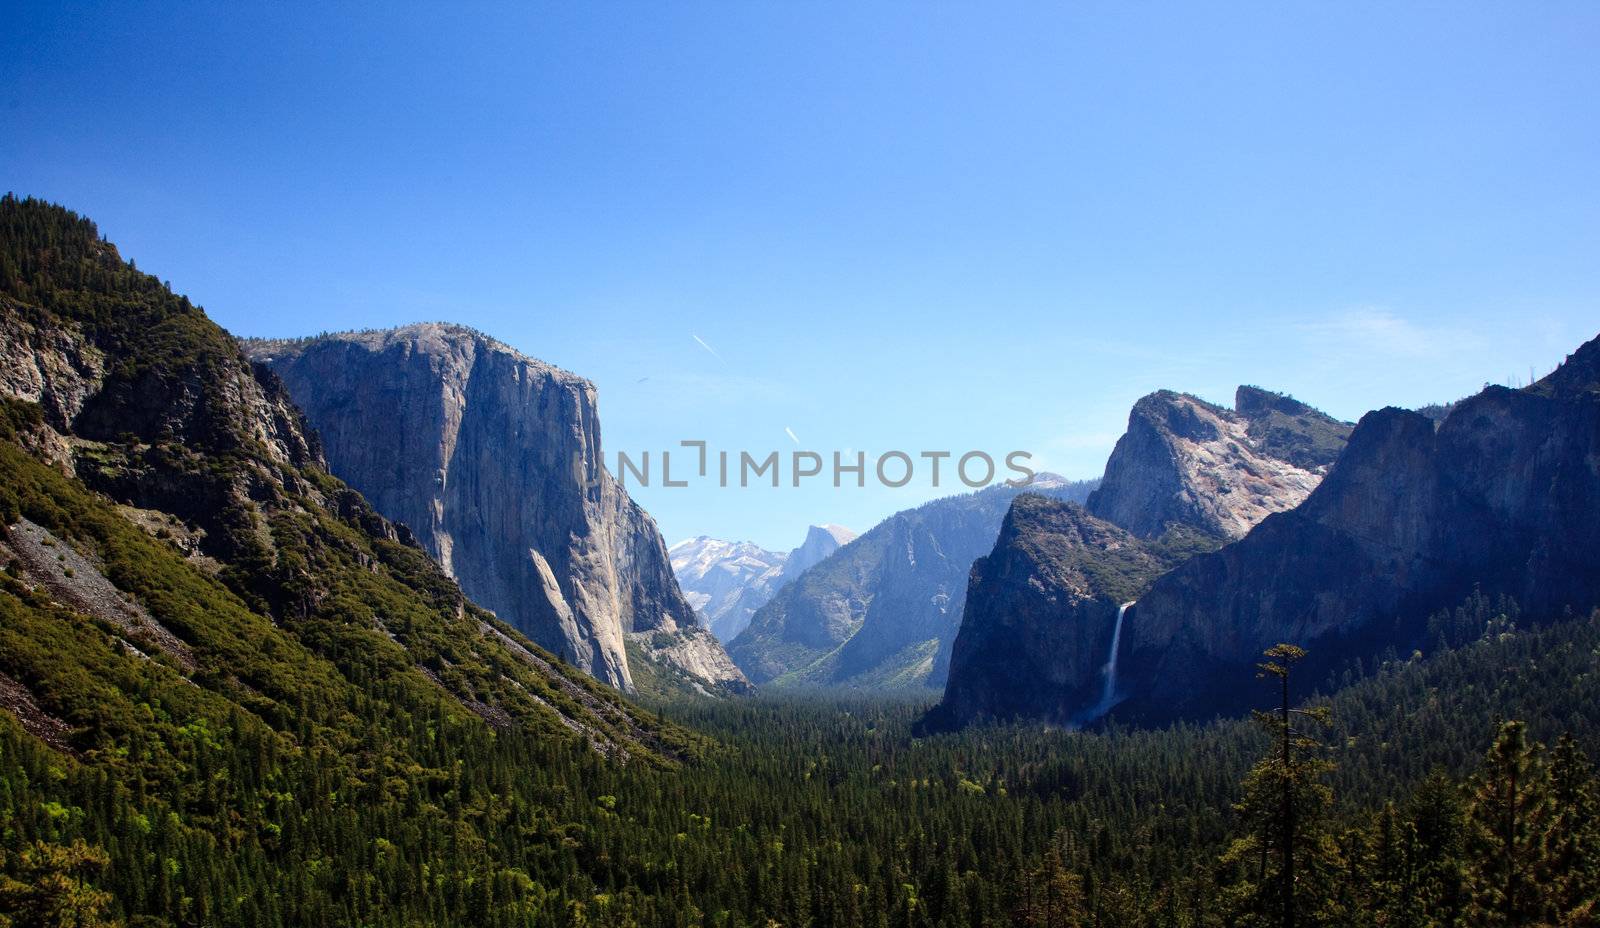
<point x="1041" y="616"/>
<point x="493" y="460"/>
<point x="1499" y="496"/>
<point x="50" y="365"/>
<point x="152" y="414"/>
<point x="1184" y="461"/>
<point x="114" y="419"/>
<point x="821" y="541"/>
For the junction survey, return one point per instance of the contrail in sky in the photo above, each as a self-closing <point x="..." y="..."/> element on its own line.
<point x="706" y="346"/>
<point x="792" y="434"/>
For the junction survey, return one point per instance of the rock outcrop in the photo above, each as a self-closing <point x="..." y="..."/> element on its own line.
<point x="53" y="366"/>
<point x="1184" y="461"/>
<point x="727" y="581"/>
<point x="1184" y="479"/>
<point x="821" y="541"/>
<point x="883" y="611"/>
<point x="493" y="460"/>
<point x="1040" y="616"/>
<point x="1500" y="496"/>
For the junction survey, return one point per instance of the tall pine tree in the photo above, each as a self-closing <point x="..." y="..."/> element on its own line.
<point x="1287" y="854"/>
<point x="1572" y="844"/>
<point x="1510" y="812"/>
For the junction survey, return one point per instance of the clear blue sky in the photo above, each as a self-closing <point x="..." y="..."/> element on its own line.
<point x="909" y="225"/>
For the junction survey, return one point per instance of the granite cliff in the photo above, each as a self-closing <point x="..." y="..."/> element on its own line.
<point x="177" y="554"/>
<point x="1184" y="461"/>
<point x="1492" y="496"/>
<point x="820" y="543"/>
<point x="493" y="460"/>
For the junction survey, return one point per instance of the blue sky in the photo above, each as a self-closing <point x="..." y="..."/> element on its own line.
<point x="899" y="226"/>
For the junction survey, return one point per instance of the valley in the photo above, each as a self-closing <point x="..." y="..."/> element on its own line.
<point x="448" y="471"/>
<point x="357" y="629"/>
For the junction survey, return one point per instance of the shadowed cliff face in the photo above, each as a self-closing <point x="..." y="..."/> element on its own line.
<point x="1040" y="613"/>
<point x="1184" y="479"/>
<point x="1500" y="495"/>
<point x="1186" y="462"/>
<point x="821" y="541"/>
<point x="493" y="459"/>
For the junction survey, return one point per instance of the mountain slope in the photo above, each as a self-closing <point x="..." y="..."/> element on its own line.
<point x="493" y="459"/>
<point x="1499" y="496"/>
<point x="883" y="610"/>
<point x="259" y="670"/>
<point x="727" y="582"/>
<point x="1043" y="607"/>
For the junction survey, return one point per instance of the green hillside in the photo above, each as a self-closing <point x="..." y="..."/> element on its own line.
<point x="259" y="681"/>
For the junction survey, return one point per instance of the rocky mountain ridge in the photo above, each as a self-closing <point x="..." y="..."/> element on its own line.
<point x="727" y="582"/>
<point x="1041" y="615"/>
<point x="493" y="459"/>
<point x="172" y="535"/>
<point x="883" y="611"/>
<point x="819" y="544"/>
<point x="1491" y="496"/>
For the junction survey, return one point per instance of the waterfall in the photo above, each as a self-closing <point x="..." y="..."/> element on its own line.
<point x="1108" y="694"/>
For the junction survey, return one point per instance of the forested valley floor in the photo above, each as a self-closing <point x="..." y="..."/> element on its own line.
<point x="1440" y="791"/>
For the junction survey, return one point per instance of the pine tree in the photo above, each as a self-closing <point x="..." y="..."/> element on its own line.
<point x="1396" y="871"/>
<point x="51" y="888"/>
<point x="1051" y="896"/>
<point x="1572" y="845"/>
<point x="1509" y="817"/>
<point x="1438" y="817"/>
<point x="1285" y="802"/>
